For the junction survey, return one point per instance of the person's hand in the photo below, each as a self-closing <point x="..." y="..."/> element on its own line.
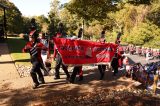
<point x="28" y="47"/>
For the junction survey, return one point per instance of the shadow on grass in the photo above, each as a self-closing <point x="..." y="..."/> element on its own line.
<point x="15" y="44"/>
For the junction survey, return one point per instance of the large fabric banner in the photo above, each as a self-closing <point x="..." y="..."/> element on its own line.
<point x="78" y="52"/>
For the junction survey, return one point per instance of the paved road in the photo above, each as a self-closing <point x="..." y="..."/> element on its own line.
<point x="135" y="59"/>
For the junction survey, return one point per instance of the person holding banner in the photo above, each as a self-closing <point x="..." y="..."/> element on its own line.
<point x="59" y="62"/>
<point x="77" y="69"/>
<point x="102" y="68"/>
<point x="58" y="58"/>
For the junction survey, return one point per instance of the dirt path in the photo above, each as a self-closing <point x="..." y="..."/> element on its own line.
<point x="7" y="67"/>
<point x="16" y="91"/>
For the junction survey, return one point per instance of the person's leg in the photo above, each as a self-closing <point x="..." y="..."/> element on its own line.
<point x="101" y="70"/>
<point x="42" y="66"/>
<point x="65" y="68"/>
<point x="44" y="58"/>
<point x="57" y="67"/>
<point x="80" y="73"/>
<point x="74" y="73"/>
<point x="34" y="75"/>
<point x="115" y="71"/>
<point x="40" y="75"/>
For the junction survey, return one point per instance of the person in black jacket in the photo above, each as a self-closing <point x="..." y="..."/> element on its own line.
<point x="114" y="64"/>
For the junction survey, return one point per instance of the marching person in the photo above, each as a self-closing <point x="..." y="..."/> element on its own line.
<point x="102" y="68"/>
<point x="44" y="54"/>
<point x="59" y="62"/>
<point x="34" y="47"/>
<point x="77" y="69"/>
<point x="114" y="64"/>
<point x="58" y="58"/>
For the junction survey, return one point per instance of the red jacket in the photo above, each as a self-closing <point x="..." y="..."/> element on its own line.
<point x="39" y="47"/>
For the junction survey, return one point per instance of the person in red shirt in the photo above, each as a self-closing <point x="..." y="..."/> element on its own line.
<point x="34" y="47"/>
<point x="59" y="61"/>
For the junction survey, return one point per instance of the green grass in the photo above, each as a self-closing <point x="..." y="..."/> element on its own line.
<point x="15" y="45"/>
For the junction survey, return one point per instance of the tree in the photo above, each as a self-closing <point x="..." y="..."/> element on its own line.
<point x="70" y="21"/>
<point x="91" y="9"/>
<point x="143" y="33"/>
<point x="26" y="25"/>
<point x="42" y="22"/>
<point x="14" y="17"/>
<point x="154" y="13"/>
<point x="54" y="17"/>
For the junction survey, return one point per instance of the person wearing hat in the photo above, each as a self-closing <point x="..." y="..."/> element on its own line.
<point x="57" y="56"/>
<point x="77" y="69"/>
<point x="34" y="47"/>
<point x="102" y="67"/>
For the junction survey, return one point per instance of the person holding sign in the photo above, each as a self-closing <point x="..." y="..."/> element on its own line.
<point x="58" y="58"/>
<point x="102" y="68"/>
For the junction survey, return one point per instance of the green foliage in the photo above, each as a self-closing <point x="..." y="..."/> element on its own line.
<point x="144" y="33"/>
<point x="91" y="9"/>
<point x="71" y="22"/>
<point x="14" y="17"/>
<point x="54" y="17"/>
<point x="26" y="25"/>
<point x="154" y="13"/>
<point x="42" y="22"/>
<point x="138" y="20"/>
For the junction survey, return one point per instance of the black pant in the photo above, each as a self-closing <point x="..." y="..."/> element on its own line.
<point x="102" y="69"/>
<point x="58" y="64"/>
<point x="76" y="70"/>
<point x="36" y="71"/>
<point x="115" y="69"/>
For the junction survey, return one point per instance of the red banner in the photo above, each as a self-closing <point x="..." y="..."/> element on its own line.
<point x="79" y="52"/>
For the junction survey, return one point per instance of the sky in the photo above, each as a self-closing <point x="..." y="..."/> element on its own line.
<point x="33" y="7"/>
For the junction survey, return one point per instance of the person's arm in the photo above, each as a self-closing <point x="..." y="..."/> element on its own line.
<point x="41" y="46"/>
<point x="26" y="48"/>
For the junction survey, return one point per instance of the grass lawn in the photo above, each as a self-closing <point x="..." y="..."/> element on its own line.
<point x="15" y="45"/>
